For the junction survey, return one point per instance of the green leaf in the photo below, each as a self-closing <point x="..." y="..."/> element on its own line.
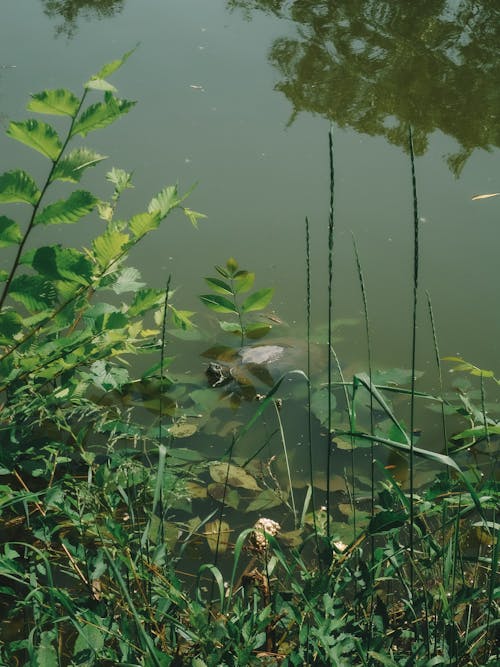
<point x="60" y="102"/>
<point x="255" y="330"/>
<point x="10" y="232"/>
<point x="112" y="66"/>
<point x="232" y="266"/>
<point x="63" y="264"/>
<point x="219" y="286"/>
<point x="265" y="500"/>
<point x="109" y="246"/>
<point x="231" y="327"/>
<point x="18" y="186"/>
<point x="101" y="114"/>
<point x="258" y="300"/>
<point x="385" y="521"/>
<point x="477" y="432"/>
<point x="120" y="178"/>
<point x="70" y="210"/>
<point x="243" y="281"/>
<point x="165" y="201"/>
<point x="3" y="276"/>
<point x="46" y="654"/>
<point x="10" y="324"/>
<point x="71" y="167"/>
<point x="107" y="376"/>
<point x="34" y="292"/>
<point x="100" y="84"/>
<point x="37" y="135"/>
<point x="181" y="318"/>
<point x="227" y="473"/>
<point x="127" y="281"/>
<point x="218" y="303"/>
<point x="146" y="299"/>
<point x="193" y="216"/>
<point x="144" y="222"/>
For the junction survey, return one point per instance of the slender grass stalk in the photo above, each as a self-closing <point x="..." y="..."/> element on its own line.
<point x="287" y="463"/>
<point x="309" y="410"/>
<point x="413" y="345"/>
<point x="162" y="356"/>
<point x="331" y="229"/>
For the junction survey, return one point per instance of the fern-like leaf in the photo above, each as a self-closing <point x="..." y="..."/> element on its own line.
<point x="70" y="210"/>
<point x="37" y="135"/>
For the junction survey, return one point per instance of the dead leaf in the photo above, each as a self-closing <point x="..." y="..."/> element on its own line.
<point x="493" y="194"/>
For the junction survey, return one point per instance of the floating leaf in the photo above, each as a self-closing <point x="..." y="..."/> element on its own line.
<point x="258" y="300"/>
<point x="60" y="102"/>
<point x="101" y="114"/>
<point x="221" y="493"/>
<point x="195" y="490"/>
<point x="182" y="430"/>
<point x="37" y="135"/>
<point x="67" y="211"/>
<point x="18" y="186"/>
<point x="227" y="473"/>
<point x="493" y="194"/>
<point x="72" y="167"/>
<point x="264" y="501"/>
<point x="10" y="233"/>
<point x="218" y="303"/>
<point x="217" y="534"/>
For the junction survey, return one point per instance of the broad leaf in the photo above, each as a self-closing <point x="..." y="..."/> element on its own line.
<point x="112" y="66"/>
<point x="127" y="281"/>
<point x="255" y="330"/>
<point x="218" y="303"/>
<point x="217" y="534"/>
<point x="227" y="473"/>
<point x="477" y="432"/>
<point x="219" y="286"/>
<point x="264" y="501"/>
<point x="10" y="233"/>
<point x="231" y="327"/>
<point x="37" y="135"/>
<point x="34" y="292"/>
<point x="63" y="264"/>
<point x="18" y="186"/>
<point x="109" y="246"/>
<point x="144" y="222"/>
<point x="243" y="281"/>
<point x="258" y="300"/>
<point x="71" y="167"/>
<point x="181" y="318"/>
<point x="46" y="653"/>
<point x="100" y="84"/>
<point x="101" y="115"/>
<point x="60" y="102"/>
<point x="70" y="210"/>
<point x="106" y="376"/>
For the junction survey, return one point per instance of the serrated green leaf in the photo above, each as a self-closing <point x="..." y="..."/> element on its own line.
<point x="181" y="318"/>
<point x="10" y="324"/>
<point x="258" y="300"/>
<point x="146" y="299"/>
<point x="101" y="114"/>
<point x="34" y="292"/>
<point x="100" y="84"/>
<point x="142" y="223"/>
<point x="18" y="186"/>
<point x="72" y="167"/>
<point x="243" y="281"/>
<point x="10" y="232"/>
<point x="112" y="66"/>
<point x="60" y="102"/>
<point x="63" y="264"/>
<point x="120" y="178"/>
<point x="219" y="286"/>
<point x="37" y="135"/>
<point x="67" y="211"/>
<point x="109" y="246"/>
<point x="165" y="201"/>
<point x="128" y="281"/>
<point x="218" y="303"/>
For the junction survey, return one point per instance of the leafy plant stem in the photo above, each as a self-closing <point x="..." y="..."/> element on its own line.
<point x="36" y="206"/>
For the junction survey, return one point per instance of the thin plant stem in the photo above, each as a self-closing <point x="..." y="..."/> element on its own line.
<point x="331" y="229"/>
<point x="287" y="462"/>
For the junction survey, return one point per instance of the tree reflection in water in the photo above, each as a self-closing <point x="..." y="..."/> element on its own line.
<point x="378" y="65"/>
<point x="71" y="10"/>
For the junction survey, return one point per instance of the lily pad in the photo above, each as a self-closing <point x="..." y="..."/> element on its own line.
<point x="227" y="473"/>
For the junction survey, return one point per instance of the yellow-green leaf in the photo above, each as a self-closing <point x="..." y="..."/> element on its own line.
<point x="60" y="102"/>
<point x="37" y="135"/>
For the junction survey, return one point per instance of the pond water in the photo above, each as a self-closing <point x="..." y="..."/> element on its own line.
<point x="238" y="96"/>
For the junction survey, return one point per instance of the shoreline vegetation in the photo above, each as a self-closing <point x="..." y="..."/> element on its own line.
<point x="127" y="540"/>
